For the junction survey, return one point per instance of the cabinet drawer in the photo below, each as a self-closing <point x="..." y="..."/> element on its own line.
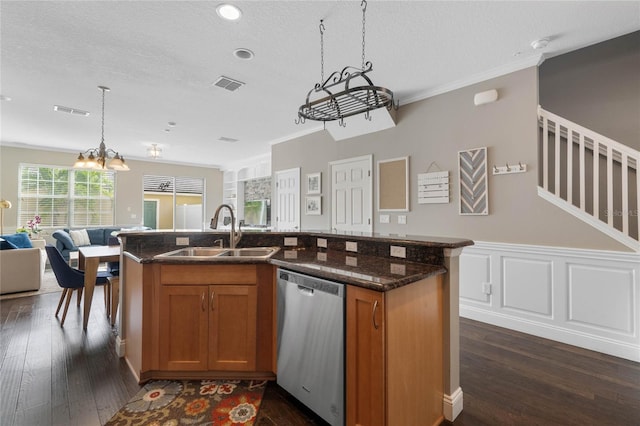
<point x="208" y="274"/>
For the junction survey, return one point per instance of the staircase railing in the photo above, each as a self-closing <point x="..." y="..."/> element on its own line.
<point x="588" y="171"/>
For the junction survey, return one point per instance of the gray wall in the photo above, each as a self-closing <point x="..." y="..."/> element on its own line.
<point x="437" y="128"/>
<point x="597" y="87"/>
<point x="128" y="184"/>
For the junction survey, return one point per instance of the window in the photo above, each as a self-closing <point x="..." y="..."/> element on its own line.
<point x="173" y="202"/>
<point x="65" y="197"/>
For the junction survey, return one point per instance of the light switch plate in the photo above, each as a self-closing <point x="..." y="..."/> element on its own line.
<point x="351" y="261"/>
<point x="322" y="242"/>
<point x="402" y="219"/>
<point x="384" y="218"/>
<point x="182" y="241"/>
<point x="351" y="246"/>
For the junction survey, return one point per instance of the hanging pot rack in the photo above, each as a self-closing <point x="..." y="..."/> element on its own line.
<point x="322" y="104"/>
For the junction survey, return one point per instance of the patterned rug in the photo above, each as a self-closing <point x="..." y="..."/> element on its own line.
<point x="192" y="402"/>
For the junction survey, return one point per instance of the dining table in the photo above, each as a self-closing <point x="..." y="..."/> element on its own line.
<point x="89" y="258"/>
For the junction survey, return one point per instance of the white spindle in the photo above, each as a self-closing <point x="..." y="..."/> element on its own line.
<point x="625" y="193"/>
<point x="545" y="153"/>
<point x="556" y="171"/>
<point x="610" y="185"/>
<point x="596" y="179"/>
<point x="570" y="166"/>
<point x="582" y="178"/>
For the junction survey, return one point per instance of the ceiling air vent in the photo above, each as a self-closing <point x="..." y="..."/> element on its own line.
<point x="228" y="83"/>
<point x="72" y="111"/>
<point x="226" y="139"/>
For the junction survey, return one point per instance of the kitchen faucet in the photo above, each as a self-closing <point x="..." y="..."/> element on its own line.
<point x="234" y="237"/>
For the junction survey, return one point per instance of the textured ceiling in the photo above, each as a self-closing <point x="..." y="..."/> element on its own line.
<point x="160" y="59"/>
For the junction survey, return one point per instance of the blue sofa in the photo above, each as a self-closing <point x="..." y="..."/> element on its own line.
<point x="97" y="236"/>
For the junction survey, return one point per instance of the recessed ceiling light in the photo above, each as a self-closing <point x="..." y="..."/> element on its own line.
<point x="171" y="124"/>
<point x="243" y="53"/>
<point x="228" y="12"/>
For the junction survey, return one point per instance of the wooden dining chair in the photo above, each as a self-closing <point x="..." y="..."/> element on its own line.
<point x="71" y="279"/>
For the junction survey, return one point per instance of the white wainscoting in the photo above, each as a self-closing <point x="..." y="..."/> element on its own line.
<point x="586" y="298"/>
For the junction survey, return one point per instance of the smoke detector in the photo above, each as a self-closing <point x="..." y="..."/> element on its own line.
<point x="540" y="44"/>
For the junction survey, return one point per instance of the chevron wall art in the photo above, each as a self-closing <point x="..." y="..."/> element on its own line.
<point x="474" y="193"/>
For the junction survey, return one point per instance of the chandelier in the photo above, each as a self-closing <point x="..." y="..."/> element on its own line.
<point x="357" y="94"/>
<point x="101" y="157"/>
<point x="154" y="151"/>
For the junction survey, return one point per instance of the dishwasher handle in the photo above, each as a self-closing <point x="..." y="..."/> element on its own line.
<point x="305" y="290"/>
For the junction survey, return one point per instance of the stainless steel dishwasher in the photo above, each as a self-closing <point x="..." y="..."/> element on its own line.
<point x="311" y="343"/>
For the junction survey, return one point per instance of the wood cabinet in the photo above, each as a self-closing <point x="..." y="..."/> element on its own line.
<point x="394" y="355"/>
<point x="365" y="357"/>
<point x="208" y="327"/>
<point x="200" y="320"/>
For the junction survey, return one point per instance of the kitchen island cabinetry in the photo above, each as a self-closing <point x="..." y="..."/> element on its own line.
<point x="200" y="320"/>
<point x="208" y="327"/>
<point x="394" y="354"/>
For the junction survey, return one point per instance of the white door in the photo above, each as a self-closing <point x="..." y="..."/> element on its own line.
<point x="352" y="194"/>
<point x="288" y="199"/>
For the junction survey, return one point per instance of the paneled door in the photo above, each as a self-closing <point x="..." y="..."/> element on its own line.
<point x="352" y="194"/>
<point x="288" y="199"/>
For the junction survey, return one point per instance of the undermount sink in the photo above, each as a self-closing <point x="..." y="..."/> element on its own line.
<point x="211" y="253"/>
<point x="250" y="252"/>
<point x="193" y="252"/>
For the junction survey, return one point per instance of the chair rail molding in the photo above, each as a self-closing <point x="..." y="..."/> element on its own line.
<point x="587" y="298"/>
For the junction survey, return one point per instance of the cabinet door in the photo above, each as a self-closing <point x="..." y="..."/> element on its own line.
<point x="232" y="325"/>
<point x="366" y="396"/>
<point x="183" y="327"/>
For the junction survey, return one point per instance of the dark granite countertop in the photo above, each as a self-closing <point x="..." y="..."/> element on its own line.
<point x="376" y="273"/>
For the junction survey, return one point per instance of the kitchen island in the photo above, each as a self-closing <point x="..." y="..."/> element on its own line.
<point x="401" y="315"/>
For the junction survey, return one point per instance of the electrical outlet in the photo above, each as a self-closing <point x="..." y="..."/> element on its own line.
<point x="322" y="242"/>
<point x="351" y="246"/>
<point x="182" y="241"/>
<point x="322" y="257"/>
<point x="486" y="288"/>
<point x="290" y="241"/>
<point x="402" y="219"/>
<point x="351" y="261"/>
<point x="384" y="218"/>
<point x="397" y="251"/>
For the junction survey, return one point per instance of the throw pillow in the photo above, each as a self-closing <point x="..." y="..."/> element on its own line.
<point x="65" y="239"/>
<point x="6" y="245"/>
<point x="80" y="238"/>
<point x="20" y="240"/>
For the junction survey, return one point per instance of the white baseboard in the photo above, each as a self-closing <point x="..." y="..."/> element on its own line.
<point x="452" y="405"/>
<point x="585" y="298"/>
<point x="120" y="347"/>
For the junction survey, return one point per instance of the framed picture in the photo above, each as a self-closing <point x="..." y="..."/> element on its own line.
<point x="393" y="185"/>
<point x="313" y="205"/>
<point x="474" y="193"/>
<point x="314" y="183"/>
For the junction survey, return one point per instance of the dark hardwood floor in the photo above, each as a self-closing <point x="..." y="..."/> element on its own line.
<point x="63" y="376"/>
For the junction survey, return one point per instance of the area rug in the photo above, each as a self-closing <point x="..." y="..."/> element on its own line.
<point x="192" y="402"/>
<point x="49" y="284"/>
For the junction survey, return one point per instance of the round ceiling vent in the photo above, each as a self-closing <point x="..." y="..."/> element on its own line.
<point x="243" y="53"/>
